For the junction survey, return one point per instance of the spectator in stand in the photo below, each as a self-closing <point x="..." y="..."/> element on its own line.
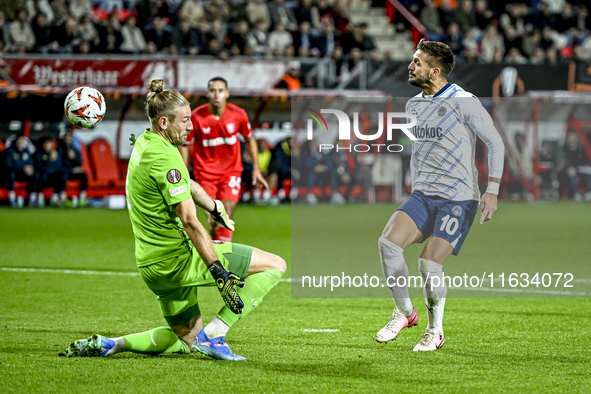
<point x="219" y="33"/>
<point x="258" y="12"/>
<point x="66" y="37"/>
<point x="357" y="38"/>
<point x="551" y="56"/>
<point x="203" y="34"/>
<point x="512" y="39"/>
<point x="4" y="33"/>
<point x="192" y="11"/>
<point x="51" y="171"/>
<point x="43" y="33"/>
<point x="168" y="10"/>
<point x="11" y="8"/>
<point x="282" y="13"/>
<point x="217" y="10"/>
<point x="492" y="43"/>
<point x="515" y="57"/>
<point x="583" y="20"/>
<point x="110" y="32"/>
<point x="531" y="42"/>
<point x="566" y="20"/>
<point x="21" y="167"/>
<point x="447" y="12"/>
<point x="35" y="7"/>
<point x="454" y="39"/>
<point x="79" y="8"/>
<point x="483" y="15"/>
<point x="184" y="40"/>
<point x="239" y="37"/>
<point x="303" y="12"/>
<point x="337" y="15"/>
<point x="60" y="11"/>
<point x="327" y="41"/>
<point x="213" y="48"/>
<point x="543" y="17"/>
<point x="21" y="33"/>
<point x="88" y="32"/>
<point x="471" y="45"/>
<point x="133" y="40"/>
<point x="158" y="36"/>
<point x="538" y="57"/>
<point x="303" y="37"/>
<point x="146" y="10"/>
<point x="577" y="167"/>
<point x="279" y="40"/>
<point x="319" y="167"/>
<point x="465" y="17"/>
<point x="282" y="165"/>
<point x="73" y="167"/>
<point x="257" y="38"/>
<point x="431" y="20"/>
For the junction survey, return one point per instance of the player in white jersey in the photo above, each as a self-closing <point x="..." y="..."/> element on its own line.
<point x="445" y="195"/>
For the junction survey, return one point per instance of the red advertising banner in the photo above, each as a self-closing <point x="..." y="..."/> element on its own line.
<point x="75" y="72"/>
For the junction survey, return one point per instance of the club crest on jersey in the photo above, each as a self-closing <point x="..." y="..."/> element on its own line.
<point x="206" y="130"/>
<point x="173" y="176"/>
<point x="230" y="127"/>
<point x="441" y="111"/>
<point x="457" y="210"/>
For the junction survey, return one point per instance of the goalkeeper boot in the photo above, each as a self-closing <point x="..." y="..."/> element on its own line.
<point x="214" y="347"/>
<point x="431" y="341"/>
<point x="95" y="346"/>
<point x="397" y="322"/>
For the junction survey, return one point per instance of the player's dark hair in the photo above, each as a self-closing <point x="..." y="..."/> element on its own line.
<point x="440" y="55"/>
<point x="217" y="79"/>
<point x="163" y="102"/>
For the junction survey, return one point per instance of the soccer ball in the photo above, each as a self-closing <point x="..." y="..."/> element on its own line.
<point x="85" y="107"/>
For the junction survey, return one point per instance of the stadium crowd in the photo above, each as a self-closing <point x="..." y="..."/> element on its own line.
<point x="515" y="31"/>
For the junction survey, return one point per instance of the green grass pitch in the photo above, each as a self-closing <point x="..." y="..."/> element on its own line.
<point x="492" y="345"/>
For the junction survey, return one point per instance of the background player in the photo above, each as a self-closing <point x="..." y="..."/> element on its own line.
<point x="445" y="193"/>
<point x="174" y="253"/>
<point x="217" y="162"/>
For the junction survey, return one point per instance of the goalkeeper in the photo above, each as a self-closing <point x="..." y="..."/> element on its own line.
<point x="174" y="252"/>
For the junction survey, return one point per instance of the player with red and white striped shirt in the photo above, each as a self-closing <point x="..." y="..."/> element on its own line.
<point x="217" y="159"/>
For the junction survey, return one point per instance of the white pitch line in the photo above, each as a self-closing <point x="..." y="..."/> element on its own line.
<point x="320" y="330"/>
<point x="84" y="272"/>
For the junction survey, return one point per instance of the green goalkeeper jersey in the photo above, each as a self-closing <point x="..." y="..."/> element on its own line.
<point x="157" y="179"/>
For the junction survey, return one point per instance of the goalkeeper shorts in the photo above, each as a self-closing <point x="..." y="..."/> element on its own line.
<point x="175" y="281"/>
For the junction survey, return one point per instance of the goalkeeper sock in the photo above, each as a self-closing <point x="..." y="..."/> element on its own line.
<point x="256" y="286"/>
<point x="393" y="267"/>
<point x="156" y="341"/>
<point x="216" y="328"/>
<point x="224" y="234"/>
<point x="435" y="291"/>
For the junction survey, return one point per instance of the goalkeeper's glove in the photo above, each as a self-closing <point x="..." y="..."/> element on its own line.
<point x="220" y="215"/>
<point x="226" y="282"/>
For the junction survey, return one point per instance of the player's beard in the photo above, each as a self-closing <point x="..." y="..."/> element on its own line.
<point x="420" y="81"/>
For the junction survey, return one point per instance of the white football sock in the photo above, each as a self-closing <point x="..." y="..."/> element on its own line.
<point x="394" y="266"/>
<point x="434" y="292"/>
<point x="216" y="328"/>
<point x="119" y="344"/>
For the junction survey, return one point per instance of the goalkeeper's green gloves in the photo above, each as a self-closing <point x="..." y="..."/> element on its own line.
<point x="220" y="215"/>
<point x="226" y="282"/>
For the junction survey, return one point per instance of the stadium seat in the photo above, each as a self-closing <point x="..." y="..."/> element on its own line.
<point x="104" y="165"/>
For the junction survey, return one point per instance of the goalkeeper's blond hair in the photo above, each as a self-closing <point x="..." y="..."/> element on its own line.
<point x="163" y="102"/>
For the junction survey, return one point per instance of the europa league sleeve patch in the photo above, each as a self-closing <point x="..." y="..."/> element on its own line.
<point x="173" y="176"/>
